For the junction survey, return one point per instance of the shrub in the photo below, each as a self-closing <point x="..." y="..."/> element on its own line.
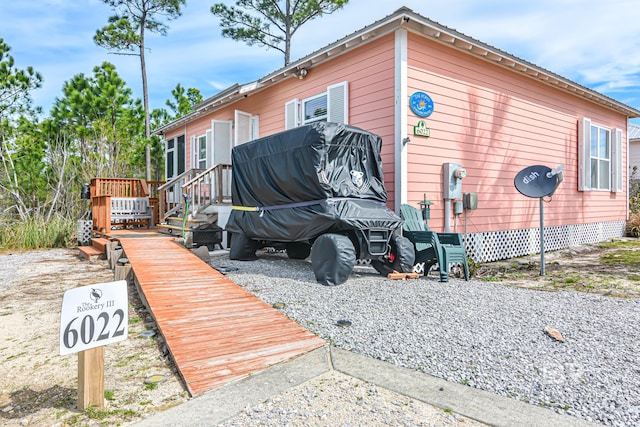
<point x="36" y="233"/>
<point x="633" y="225"/>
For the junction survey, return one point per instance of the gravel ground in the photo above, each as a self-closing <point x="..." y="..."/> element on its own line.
<point x="484" y="335"/>
<point x="335" y="399"/>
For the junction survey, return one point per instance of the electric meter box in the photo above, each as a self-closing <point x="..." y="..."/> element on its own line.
<point x="452" y="175"/>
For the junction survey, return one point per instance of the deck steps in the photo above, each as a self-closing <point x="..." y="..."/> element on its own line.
<point x="90" y="252"/>
<point x="99" y="247"/>
<point x="173" y="225"/>
<point x="174" y="219"/>
<point x="100" y="243"/>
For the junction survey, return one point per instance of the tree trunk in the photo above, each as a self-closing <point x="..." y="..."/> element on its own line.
<point x="145" y="98"/>
<point x="287" y="34"/>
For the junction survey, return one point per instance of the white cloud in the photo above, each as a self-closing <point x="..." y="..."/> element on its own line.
<point x="590" y="41"/>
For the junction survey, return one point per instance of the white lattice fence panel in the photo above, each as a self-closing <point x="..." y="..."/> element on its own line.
<point x="84" y="232"/>
<point x="497" y="245"/>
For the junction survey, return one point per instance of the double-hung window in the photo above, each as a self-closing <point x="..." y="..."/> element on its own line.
<point x="175" y="150"/>
<point x="600" y="157"/>
<point x="314" y="109"/>
<point x="202" y="152"/>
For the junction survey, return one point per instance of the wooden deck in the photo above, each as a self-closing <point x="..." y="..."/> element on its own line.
<point x="216" y="331"/>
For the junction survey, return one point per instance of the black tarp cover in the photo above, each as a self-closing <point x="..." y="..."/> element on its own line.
<point x="301" y="183"/>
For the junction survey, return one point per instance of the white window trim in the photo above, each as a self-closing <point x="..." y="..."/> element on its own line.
<point x="337" y="107"/>
<point x="325" y="117"/>
<point x="197" y="151"/>
<point x="599" y="159"/>
<point x="585" y="156"/>
<point x="176" y="154"/>
<point x="167" y="150"/>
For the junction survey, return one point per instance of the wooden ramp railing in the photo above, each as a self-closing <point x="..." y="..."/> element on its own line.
<point x="216" y="331"/>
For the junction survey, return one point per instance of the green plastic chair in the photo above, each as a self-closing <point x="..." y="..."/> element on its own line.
<point x="431" y="247"/>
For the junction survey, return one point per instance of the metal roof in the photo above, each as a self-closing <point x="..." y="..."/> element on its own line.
<point x="413" y="22"/>
<point x="634" y="131"/>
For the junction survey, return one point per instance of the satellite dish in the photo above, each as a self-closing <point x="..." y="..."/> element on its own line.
<point x="537" y="181"/>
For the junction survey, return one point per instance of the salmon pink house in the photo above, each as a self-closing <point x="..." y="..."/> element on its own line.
<point x="444" y="104"/>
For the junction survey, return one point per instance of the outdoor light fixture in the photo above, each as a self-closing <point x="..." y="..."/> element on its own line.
<point x="425" y="207"/>
<point x="302" y="73"/>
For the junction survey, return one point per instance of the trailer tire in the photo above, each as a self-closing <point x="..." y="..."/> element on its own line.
<point x="298" y="250"/>
<point x="403" y="257"/>
<point x="333" y="257"/>
<point x="243" y="248"/>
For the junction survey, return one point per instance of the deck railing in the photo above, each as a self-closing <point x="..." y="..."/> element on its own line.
<point x="212" y="186"/>
<point x="119" y="187"/>
<point x="170" y="193"/>
<point x="103" y="189"/>
<point x="154" y="197"/>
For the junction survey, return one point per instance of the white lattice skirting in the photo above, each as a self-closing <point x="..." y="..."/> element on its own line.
<point x="497" y="245"/>
<point x="84" y="232"/>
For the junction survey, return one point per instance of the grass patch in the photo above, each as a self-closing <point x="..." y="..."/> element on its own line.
<point x="492" y="279"/>
<point x="102" y="414"/>
<point x="619" y="244"/>
<point x="622" y="256"/>
<point x="151" y="386"/>
<point x="109" y="394"/>
<point x="37" y="233"/>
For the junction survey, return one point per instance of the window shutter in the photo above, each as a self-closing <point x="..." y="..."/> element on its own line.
<point x="291" y="118"/>
<point x="255" y="127"/>
<point x="221" y="142"/>
<point x="242" y="130"/>
<point x="194" y="150"/>
<point x="616" y="160"/>
<point x="209" y="148"/>
<point x="338" y="103"/>
<point x="584" y="154"/>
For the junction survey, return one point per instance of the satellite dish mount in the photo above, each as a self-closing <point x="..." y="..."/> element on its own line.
<point x="539" y="181"/>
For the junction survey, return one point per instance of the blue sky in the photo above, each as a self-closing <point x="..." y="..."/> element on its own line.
<point x="592" y="42"/>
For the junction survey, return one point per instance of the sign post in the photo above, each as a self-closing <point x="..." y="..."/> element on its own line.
<point x="92" y="317"/>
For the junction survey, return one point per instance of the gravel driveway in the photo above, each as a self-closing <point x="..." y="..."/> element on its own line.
<point x="480" y="334"/>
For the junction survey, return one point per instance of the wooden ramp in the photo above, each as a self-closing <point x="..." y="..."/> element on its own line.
<point x="216" y="331"/>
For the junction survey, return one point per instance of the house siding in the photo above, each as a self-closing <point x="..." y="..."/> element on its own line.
<point x="369" y="71"/>
<point x="495" y="123"/>
<point x="490" y="119"/>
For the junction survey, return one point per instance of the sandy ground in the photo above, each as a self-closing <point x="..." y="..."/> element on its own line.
<point x="37" y="385"/>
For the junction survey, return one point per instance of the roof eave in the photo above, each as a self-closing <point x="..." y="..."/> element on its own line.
<point x="433" y="30"/>
<point x="413" y="22"/>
